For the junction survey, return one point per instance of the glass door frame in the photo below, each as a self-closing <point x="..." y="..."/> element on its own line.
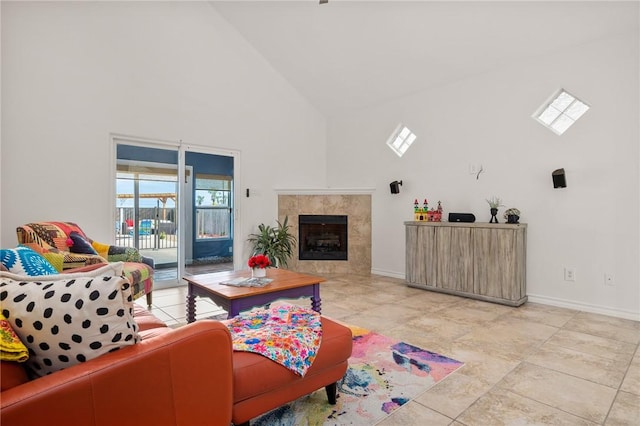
<point x="184" y="211"/>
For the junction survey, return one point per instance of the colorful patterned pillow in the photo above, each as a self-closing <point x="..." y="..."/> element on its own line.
<point x="80" y="245"/>
<point x="101" y="249"/>
<point x="52" y="255"/>
<point x="23" y="260"/>
<point x="117" y="253"/>
<point x="11" y="347"/>
<point x="70" y="318"/>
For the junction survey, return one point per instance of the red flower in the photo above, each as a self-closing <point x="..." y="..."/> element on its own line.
<point x="259" y="261"/>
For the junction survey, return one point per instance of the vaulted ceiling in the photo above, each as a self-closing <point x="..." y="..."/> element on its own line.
<point x="350" y="54"/>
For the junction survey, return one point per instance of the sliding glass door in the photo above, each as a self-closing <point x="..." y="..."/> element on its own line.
<point x="147" y="206"/>
<point x="176" y="205"/>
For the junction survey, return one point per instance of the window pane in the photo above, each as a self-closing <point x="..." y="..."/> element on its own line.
<point x="548" y="115"/>
<point x="563" y="101"/>
<point x="212" y="223"/>
<point x="562" y="124"/>
<point x="576" y="110"/>
<point x="223" y="185"/>
<point x="211" y="198"/>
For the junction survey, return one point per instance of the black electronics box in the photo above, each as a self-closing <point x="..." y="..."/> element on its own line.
<point x="462" y="217"/>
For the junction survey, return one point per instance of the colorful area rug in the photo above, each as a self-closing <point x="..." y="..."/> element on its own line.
<point x="383" y="375"/>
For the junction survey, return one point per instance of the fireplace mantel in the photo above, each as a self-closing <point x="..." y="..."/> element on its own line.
<point x="325" y="191"/>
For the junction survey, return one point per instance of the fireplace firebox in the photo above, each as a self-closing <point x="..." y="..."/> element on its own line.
<point x="322" y="237"/>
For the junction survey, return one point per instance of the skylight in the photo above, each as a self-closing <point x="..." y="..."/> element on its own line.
<point x="561" y="112"/>
<point x="401" y="139"/>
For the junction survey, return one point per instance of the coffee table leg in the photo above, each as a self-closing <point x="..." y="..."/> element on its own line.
<point x="315" y="299"/>
<point x="234" y="309"/>
<point x="191" y="307"/>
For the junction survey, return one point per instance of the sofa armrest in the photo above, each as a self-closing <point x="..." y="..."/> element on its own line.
<point x="182" y="377"/>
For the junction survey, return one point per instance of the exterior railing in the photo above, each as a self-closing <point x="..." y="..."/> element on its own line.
<point x="153" y="233"/>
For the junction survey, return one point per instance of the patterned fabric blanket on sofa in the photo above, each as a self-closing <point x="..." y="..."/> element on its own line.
<point x="66" y="246"/>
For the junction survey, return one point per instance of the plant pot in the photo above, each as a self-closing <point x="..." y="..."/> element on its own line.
<point x="258" y="272"/>
<point x="494" y="212"/>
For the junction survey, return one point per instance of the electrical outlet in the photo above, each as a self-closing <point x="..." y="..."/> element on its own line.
<point x="609" y="279"/>
<point x="569" y="274"/>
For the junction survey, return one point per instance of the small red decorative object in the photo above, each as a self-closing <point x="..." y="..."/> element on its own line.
<point x="259" y="261"/>
<point x="69" y="242"/>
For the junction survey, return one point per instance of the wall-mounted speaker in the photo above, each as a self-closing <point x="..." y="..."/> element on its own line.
<point x="559" y="179"/>
<point x="395" y="186"/>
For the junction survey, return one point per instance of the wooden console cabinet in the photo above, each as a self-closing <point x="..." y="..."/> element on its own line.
<point x="484" y="261"/>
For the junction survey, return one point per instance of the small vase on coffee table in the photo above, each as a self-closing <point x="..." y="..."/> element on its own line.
<point x="258" y="272"/>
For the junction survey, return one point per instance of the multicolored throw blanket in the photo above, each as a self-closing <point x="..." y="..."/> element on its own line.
<point x="289" y="335"/>
<point x="11" y="347"/>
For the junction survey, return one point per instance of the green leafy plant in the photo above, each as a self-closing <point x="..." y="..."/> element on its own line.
<point x="275" y="242"/>
<point x="494" y="202"/>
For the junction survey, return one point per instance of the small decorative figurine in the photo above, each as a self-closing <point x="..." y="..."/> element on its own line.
<point x="421" y="214"/>
<point x="438" y="215"/>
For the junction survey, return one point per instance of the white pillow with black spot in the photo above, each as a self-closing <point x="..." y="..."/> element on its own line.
<point x="71" y="320"/>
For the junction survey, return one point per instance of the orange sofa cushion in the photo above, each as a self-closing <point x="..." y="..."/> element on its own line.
<point x="255" y="374"/>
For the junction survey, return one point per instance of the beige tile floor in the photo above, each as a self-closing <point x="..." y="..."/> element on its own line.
<point x="532" y="365"/>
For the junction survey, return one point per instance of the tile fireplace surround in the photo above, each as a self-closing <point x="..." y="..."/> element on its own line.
<point x="357" y="206"/>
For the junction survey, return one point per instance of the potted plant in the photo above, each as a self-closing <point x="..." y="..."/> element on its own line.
<point x="512" y="215"/>
<point x="494" y="204"/>
<point x="275" y="242"/>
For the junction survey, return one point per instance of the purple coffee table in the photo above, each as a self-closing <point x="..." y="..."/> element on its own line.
<point x="285" y="284"/>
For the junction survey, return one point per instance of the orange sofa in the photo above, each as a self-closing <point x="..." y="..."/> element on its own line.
<point x="184" y="376"/>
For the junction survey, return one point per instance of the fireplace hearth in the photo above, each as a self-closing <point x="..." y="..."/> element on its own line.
<point x="322" y="237"/>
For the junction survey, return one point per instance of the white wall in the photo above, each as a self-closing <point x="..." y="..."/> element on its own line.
<point x="592" y="225"/>
<point x="72" y="73"/>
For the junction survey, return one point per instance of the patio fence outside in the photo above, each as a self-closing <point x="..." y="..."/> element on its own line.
<point x="157" y="227"/>
<point x="153" y="232"/>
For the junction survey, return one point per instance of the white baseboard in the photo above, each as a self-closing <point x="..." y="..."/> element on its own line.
<point x="552" y="301"/>
<point x="594" y="309"/>
<point x="388" y="273"/>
